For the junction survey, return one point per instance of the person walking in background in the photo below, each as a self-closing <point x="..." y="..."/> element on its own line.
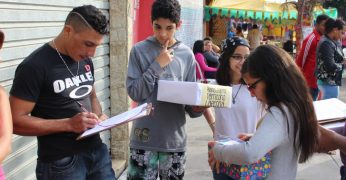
<point x="306" y="59"/>
<point x="206" y="71"/>
<point x="158" y="142"/>
<point x="216" y="48"/>
<point x="5" y="122"/>
<point x="255" y="37"/>
<point x="211" y="56"/>
<point x="231" y="32"/>
<point x="245" y="110"/>
<point x="330" y="59"/>
<point x="288" y="129"/>
<point x="239" y="32"/>
<point x="52" y="90"/>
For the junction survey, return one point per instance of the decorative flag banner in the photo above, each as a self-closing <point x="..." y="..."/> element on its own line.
<point x="332" y="13"/>
<point x="214" y="11"/>
<point x="241" y="13"/>
<point x="293" y="15"/>
<point x="233" y="13"/>
<point x="207" y="13"/>
<point x="224" y="12"/>
<point x="266" y="15"/>
<point x="250" y="14"/>
<point x="275" y="15"/>
<point x="317" y="13"/>
<point x="284" y="15"/>
<point x="259" y="15"/>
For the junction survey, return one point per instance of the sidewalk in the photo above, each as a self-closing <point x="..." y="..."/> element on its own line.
<point x="320" y="167"/>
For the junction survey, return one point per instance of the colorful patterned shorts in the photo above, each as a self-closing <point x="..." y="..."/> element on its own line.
<point x="149" y="164"/>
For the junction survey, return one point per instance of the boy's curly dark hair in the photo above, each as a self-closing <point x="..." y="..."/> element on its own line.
<point x="88" y="15"/>
<point x="168" y="9"/>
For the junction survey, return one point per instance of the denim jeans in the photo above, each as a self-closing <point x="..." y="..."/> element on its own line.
<point x="90" y="164"/>
<point x="221" y="176"/>
<point x="329" y="91"/>
<point x="314" y="93"/>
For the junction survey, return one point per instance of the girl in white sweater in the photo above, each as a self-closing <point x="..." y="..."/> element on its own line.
<point x="246" y="110"/>
<point x="289" y="129"/>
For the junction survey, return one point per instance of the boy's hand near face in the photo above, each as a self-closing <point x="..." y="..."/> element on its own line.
<point x="166" y="56"/>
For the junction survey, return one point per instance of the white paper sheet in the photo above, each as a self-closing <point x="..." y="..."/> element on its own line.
<point x="330" y="109"/>
<point x="177" y="92"/>
<point x="122" y="118"/>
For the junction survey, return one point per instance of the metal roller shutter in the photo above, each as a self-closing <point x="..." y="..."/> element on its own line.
<point x="27" y="25"/>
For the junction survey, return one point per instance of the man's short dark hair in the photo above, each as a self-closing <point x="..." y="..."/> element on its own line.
<point x="254" y="26"/>
<point x="168" y="9"/>
<point x="321" y="18"/>
<point x="87" y="16"/>
<point x="332" y="23"/>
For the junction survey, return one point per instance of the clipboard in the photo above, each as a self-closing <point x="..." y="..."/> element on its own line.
<point x="125" y="117"/>
<point x="330" y="111"/>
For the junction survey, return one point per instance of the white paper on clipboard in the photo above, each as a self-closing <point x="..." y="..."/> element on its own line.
<point x="330" y="110"/>
<point x="135" y="113"/>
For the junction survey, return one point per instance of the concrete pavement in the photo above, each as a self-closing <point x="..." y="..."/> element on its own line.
<point x="320" y="167"/>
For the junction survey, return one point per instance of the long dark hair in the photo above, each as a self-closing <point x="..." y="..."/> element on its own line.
<point x="223" y="73"/>
<point x="198" y="47"/>
<point x="285" y="85"/>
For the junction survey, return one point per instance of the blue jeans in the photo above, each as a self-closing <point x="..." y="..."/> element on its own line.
<point x="221" y="176"/>
<point x="90" y="164"/>
<point x="329" y="91"/>
<point x="314" y="93"/>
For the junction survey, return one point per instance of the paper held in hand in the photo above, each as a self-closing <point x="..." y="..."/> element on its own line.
<point x="135" y="113"/>
<point x="193" y="93"/>
<point x="330" y="110"/>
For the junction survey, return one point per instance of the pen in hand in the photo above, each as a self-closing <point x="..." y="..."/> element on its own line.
<point x="81" y="106"/>
<point x="85" y="110"/>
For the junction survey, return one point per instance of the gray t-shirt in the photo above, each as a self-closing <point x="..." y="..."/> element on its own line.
<point x="164" y="130"/>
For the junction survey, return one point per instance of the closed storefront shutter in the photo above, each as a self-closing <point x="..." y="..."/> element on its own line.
<point x="28" y="24"/>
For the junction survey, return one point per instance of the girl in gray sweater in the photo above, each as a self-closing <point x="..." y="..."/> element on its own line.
<point x="289" y="129"/>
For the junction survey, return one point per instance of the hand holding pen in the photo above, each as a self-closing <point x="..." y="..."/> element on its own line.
<point x="101" y="117"/>
<point x="83" y="120"/>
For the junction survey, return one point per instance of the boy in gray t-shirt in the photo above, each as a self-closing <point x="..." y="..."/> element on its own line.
<point x="158" y="142"/>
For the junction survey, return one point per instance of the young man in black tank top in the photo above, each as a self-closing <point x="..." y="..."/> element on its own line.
<point x="53" y="97"/>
